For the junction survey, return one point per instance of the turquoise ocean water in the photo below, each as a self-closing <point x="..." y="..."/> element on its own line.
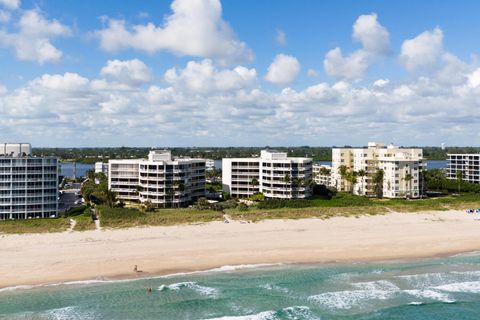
<point x="447" y="288"/>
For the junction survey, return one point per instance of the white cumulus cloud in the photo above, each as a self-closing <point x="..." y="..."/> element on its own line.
<point x="32" y="42"/>
<point x="423" y="51"/>
<point x="375" y="41"/>
<point x="10" y="4"/>
<point x="195" y="28"/>
<point x="132" y="72"/>
<point x="283" y="70"/>
<point x="204" y="77"/>
<point x="281" y="38"/>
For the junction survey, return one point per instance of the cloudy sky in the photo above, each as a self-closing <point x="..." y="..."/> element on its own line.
<point x="239" y="73"/>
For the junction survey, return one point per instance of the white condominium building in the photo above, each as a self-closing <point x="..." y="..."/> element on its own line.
<point x="160" y="179"/>
<point x="402" y="170"/>
<point x="322" y="174"/>
<point x="28" y="184"/>
<point x="273" y="174"/>
<point x="468" y="164"/>
<point x="101" y="167"/>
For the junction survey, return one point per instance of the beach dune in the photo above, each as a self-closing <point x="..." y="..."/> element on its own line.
<point x="106" y="254"/>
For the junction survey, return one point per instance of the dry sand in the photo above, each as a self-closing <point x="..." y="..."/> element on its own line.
<point x="57" y="257"/>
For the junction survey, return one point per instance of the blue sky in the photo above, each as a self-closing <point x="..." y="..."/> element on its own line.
<point x="112" y="73"/>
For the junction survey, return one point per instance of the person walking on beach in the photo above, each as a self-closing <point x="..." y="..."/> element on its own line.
<point x="135" y="269"/>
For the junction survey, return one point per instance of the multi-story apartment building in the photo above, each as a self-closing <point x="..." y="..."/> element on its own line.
<point x="101" y="167"/>
<point x="467" y="164"/>
<point x="28" y="184"/>
<point x="322" y="174"/>
<point x="402" y="170"/>
<point x="160" y="179"/>
<point x="273" y="174"/>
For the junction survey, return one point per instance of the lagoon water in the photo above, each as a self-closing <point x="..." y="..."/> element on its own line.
<point x="446" y="288"/>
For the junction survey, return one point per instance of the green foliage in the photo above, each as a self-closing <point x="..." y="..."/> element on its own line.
<point x="128" y="217"/>
<point x="75" y="211"/>
<point x="226" y="196"/>
<point x="242" y="207"/>
<point x="34" y="225"/>
<point x="257" y="196"/>
<point x="229" y="204"/>
<point x="323" y="192"/>
<point x="213" y="187"/>
<point x="203" y="204"/>
<point x="436" y="181"/>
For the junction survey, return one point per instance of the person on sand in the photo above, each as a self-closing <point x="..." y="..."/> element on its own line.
<point x="135" y="269"/>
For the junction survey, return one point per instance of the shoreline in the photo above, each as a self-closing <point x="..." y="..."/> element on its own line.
<point x="53" y="259"/>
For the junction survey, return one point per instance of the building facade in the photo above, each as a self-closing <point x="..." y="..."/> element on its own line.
<point x="28" y="185"/>
<point x="273" y="174"/>
<point x="402" y="171"/>
<point x="467" y="164"/>
<point x="322" y="174"/>
<point x="160" y="179"/>
<point x="101" y="167"/>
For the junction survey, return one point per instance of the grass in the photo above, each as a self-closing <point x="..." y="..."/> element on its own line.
<point x="302" y="213"/>
<point x="84" y="221"/>
<point x="34" y="226"/>
<point x="131" y="217"/>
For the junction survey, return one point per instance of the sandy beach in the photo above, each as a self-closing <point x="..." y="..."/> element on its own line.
<point x="57" y="257"/>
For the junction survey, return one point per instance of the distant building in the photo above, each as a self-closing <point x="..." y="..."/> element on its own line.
<point x="467" y="164"/>
<point x="28" y="184"/>
<point x="322" y="174"/>
<point x="160" y="179"/>
<point x="209" y="164"/>
<point x="401" y="167"/>
<point x="273" y="174"/>
<point x="101" y="167"/>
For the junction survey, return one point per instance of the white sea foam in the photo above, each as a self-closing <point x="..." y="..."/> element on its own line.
<point x="203" y="290"/>
<point x="425" y="280"/>
<point x="273" y="287"/>
<point x="226" y="268"/>
<point x="380" y="285"/>
<point x="468" y="287"/>
<point x="265" y="315"/>
<point x="430" y="295"/>
<point x="65" y="313"/>
<point x="21" y="287"/>
<point x="416" y="303"/>
<point x="299" y="312"/>
<point x="350" y="298"/>
<point x="292" y="313"/>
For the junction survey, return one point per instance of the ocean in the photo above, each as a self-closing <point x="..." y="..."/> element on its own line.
<point x="443" y="288"/>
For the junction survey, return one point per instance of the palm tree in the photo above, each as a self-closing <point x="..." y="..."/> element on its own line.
<point x="111" y="198"/>
<point x="408" y="179"/>
<point x="362" y="173"/>
<point x="254" y="182"/>
<point x="351" y="177"/>
<point x="378" y="181"/>
<point x="343" y="170"/>
<point x="459" y="176"/>
<point x="287" y="180"/>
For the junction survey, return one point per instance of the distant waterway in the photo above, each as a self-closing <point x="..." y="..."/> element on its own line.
<point x="67" y="169"/>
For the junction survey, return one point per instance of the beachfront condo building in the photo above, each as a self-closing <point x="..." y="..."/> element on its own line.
<point x="380" y="171"/>
<point x="101" y="167"/>
<point x="467" y="164"/>
<point x="28" y="184"/>
<point x="273" y="174"/>
<point x="160" y="179"/>
<point x="322" y="174"/>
